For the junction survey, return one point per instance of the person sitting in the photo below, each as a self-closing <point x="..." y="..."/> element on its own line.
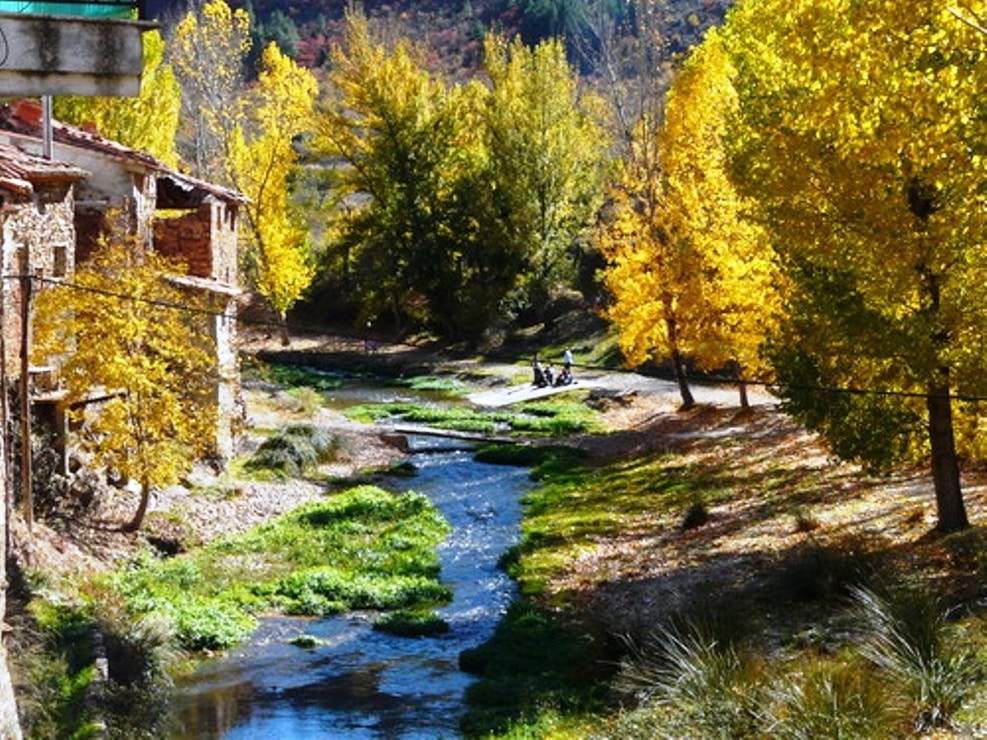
<point x="549" y="375"/>
<point x="539" y="374"/>
<point x="565" y="377"/>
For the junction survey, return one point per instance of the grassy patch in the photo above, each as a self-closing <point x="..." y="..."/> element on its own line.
<point x="532" y="662"/>
<point x="365" y="548"/>
<point x="545" y="419"/>
<point x="412" y="623"/>
<point x="433" y="384"/>
<point x="293" y="376"/>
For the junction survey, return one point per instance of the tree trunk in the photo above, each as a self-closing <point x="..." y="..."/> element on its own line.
<point x="688" y="401"/>
<point x="283" y="329"/>
<point x="950" y="510"/>
<point x="745" y="401"/>
<point x="738" y="373"/>
<point x="138" y="519"/>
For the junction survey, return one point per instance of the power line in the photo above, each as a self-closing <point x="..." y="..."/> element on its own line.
<point x="691" y="378"/>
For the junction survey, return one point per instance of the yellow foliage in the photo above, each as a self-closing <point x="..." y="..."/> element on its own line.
<point x="122" y="333"/>
<point x="689" y="275"/>
<point x="147" y="123"/>
<point x="261" y="160"/>
<point x="861" y="135"/>
<point x="208" y="50"/>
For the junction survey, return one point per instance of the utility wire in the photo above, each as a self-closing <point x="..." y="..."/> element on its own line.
<point x="257" y="323"/>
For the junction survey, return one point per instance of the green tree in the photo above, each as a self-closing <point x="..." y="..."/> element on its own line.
<point x="547" y="156"/>
<point x="115" y="327"/>
<point x="862" y="137"/>
<point x="147" y="123"/>
<point x="207" y="50"/>
<point x="411" y="208"/>
<point x="262" y="159"/>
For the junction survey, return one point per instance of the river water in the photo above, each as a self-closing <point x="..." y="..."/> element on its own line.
<point x="358" y="683"/>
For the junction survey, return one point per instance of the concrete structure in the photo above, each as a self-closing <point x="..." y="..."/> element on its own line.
<point x="58" y="55"/>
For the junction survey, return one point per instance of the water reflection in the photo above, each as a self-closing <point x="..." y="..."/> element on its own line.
<point x="357" y="683"/>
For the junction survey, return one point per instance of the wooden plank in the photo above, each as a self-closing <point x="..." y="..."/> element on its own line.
<point x="519" y="393"/>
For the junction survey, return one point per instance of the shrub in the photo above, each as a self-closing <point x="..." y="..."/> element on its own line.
<point x="909" y="640"/>
<point x="693" y="679"/>
<point x="837" y="700"/>
<point x="293" y="451"/>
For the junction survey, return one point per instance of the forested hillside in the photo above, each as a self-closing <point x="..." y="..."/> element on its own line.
<point x="454" y="28"/>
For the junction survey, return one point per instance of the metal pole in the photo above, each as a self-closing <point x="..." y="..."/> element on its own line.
<point x="25" y="394"/>
<point x="47" y="143"/>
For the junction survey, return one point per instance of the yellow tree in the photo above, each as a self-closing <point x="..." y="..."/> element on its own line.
<point x="261" y="161"/>
<point x="121" y="328"/>
<point x="207" y="51"/>
<point x="148" y="122"/>
<point x="690" y="278"/>
<point x="861" y="136"/>
<point x="739" y="278"/>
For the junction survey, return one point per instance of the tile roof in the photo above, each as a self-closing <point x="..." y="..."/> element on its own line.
<point x="19" y="171"/>
<point x="24" y="117"/>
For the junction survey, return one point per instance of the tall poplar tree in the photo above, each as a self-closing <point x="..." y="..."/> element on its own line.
<point x="413" y="223"/>
<point x="548" y="153"/>
<point x="861" y="136"/>
<point x="262" y="159"/>
<point x="690" y="278"/>
<point x="207" y="50"/>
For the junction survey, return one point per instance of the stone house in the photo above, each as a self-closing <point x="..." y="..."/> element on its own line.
<point x="37" y="234"/>
<point x="179" y="216"/>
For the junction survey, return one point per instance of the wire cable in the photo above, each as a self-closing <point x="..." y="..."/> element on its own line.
<point x="298" y="328"/>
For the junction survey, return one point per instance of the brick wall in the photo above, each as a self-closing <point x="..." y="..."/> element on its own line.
<point x="187" y="237"/>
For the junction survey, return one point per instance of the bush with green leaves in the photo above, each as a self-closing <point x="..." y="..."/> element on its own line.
<point x="293" y="451"/>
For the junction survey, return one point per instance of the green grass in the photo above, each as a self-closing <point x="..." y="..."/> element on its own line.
<point x="545" y="419"/>
<point x="889" y="668"/>
<point x="433" y="384"/>
<point x="292" y="376"/>
<point x="531" y="664"/>
<point x="365" y="548"/>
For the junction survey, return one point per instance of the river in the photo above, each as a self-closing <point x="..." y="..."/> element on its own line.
<point x="357" y="683"/>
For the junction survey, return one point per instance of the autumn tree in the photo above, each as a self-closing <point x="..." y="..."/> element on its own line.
<point x="691" y="279"/>
<point x="148" y="122"/>
<point x="119" y="326"/>
<point x="262" y="159"/>
<point x="410" y="212"/>
<point x="207" y="50"/>
<point x="861" y="136"/>
<point x="548" y="154"/>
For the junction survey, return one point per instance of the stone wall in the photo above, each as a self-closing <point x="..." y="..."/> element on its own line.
<point x="38" y="238"/>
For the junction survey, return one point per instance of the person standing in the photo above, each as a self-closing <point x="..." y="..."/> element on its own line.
<point x="567" y="359"/>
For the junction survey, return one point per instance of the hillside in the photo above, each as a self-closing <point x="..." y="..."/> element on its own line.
<point x="452" y="28"/>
